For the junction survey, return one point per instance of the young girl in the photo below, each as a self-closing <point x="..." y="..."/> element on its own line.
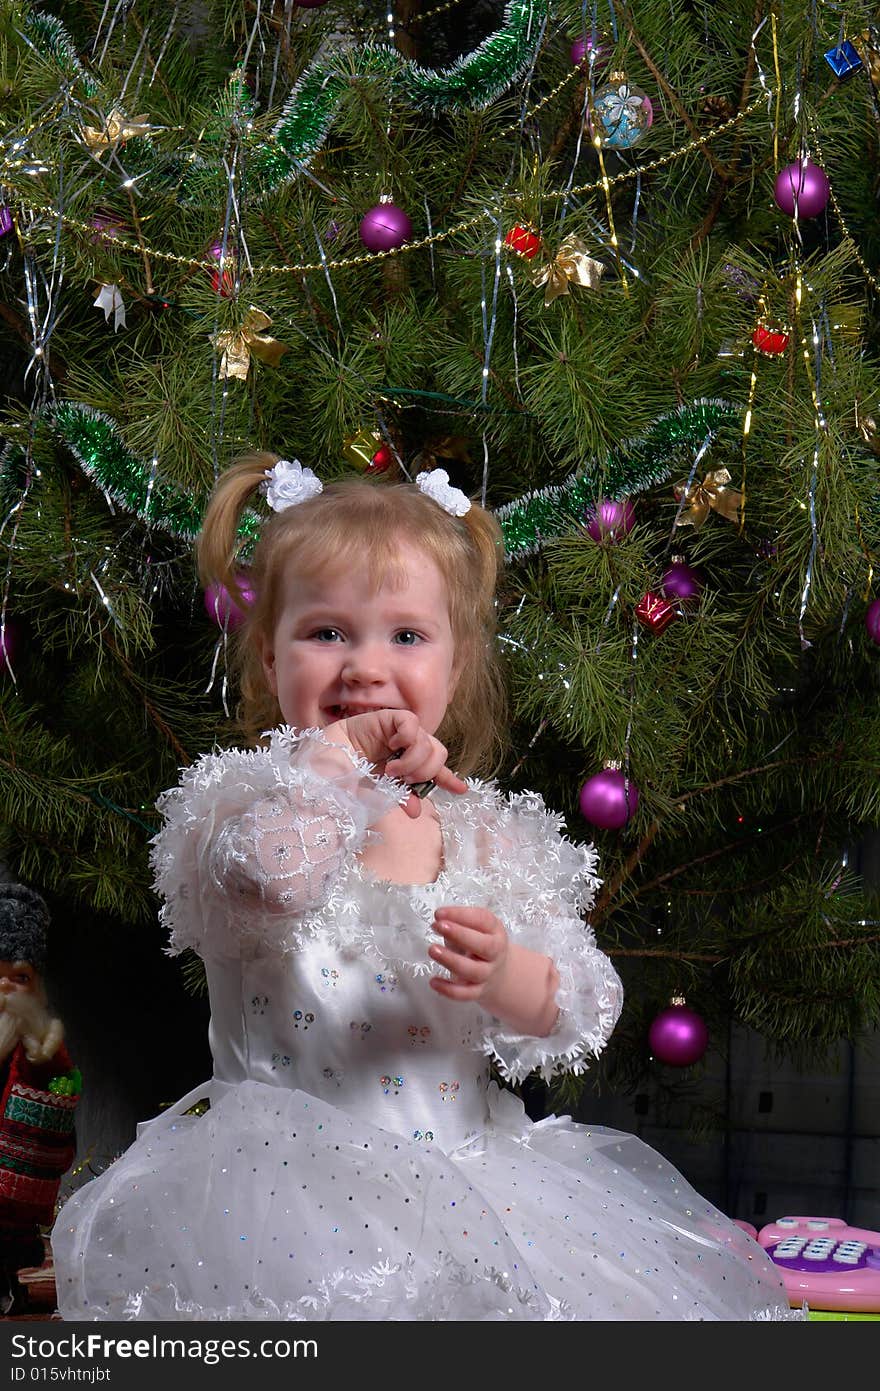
<point x="375" y="930"/>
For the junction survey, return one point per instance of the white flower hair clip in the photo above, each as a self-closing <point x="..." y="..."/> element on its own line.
<point x="435" y="483"/>
<point x="288" y="483"/>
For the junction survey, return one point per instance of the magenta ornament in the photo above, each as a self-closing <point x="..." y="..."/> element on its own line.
<point x="681" y="581"/>
<point x="610" y="520"/>
<point x="872" y="621"/>
<point x="678" y="1036"/>
<point x="581" y="50"/>
<point x="385" y="227"/>
<point x="608" y="799"/>
<point x="803" y="187"/>
<point x="6" y="223"/>
<point x="225" y="611"/>
<point x="107" y="227"/>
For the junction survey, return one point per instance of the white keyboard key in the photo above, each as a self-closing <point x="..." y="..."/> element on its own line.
<point x="790" y="1247"/>
<point x="817" y="1225"/>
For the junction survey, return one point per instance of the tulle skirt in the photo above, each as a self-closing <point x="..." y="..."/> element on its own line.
<point x="275" y="1204"/>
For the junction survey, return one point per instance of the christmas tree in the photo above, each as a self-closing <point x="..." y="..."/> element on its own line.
<point x="615" y="268"/>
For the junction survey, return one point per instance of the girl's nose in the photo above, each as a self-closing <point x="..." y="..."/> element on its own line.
<point x="364" y="662"/>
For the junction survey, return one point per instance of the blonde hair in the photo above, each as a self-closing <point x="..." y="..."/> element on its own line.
<point x="370" y="519"/>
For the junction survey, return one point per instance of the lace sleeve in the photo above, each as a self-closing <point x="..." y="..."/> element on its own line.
<point x="252" y="840"/>
<point x="545" y="885"/>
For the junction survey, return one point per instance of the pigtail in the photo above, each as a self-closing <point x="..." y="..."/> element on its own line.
<point x="217" y="545"/>
<point x="488" y="540"/>
<point x="476" y="723"/>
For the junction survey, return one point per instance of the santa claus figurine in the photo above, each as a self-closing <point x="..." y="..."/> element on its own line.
<point x="39" y="1089"/>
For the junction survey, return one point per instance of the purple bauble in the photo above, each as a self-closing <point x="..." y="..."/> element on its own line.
<point x="678" y="1036"/>
<point x="222" y="609"/>
<point x="805" y="183"/>
<point x="106" y="227"/>
<point x="608" y="800"/>
<point x="610" y="520"/>
<point x="8" y="646"/>
<point x="385" y="227"/>
<point x="581" y="49"/>
<point x="681" y="581"/>
<point x="872" y="621"/>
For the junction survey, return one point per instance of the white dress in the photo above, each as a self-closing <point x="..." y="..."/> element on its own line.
<point x="355" y="1161"/>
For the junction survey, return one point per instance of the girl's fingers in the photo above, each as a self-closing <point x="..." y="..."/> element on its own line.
<point x="467" y="939"/>
<point x="454" y="991"/>
<point x="444" y="777"/>
<point x="480" y="918"/>
<point x="466" y="969"/>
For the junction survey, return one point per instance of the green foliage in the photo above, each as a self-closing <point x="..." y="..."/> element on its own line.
<point x="750" y="724"/>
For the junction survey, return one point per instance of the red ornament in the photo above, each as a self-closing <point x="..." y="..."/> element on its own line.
<point x="222" y="282"/>
<point x="770" y="341"/>
<point x="524" y="241"/>
<point x="381" y="460"/>
<point x="678" y="1036"/>
<point x="655" y="612"/>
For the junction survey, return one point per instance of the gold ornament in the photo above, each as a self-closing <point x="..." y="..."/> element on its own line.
<point x="361" y="448"/>
<point x="868" y="426"/>
<point x="238" y="345"/>
<point x="116" y="128"/>
<point x="712" y="494"/>
<point x="868" y="46"/>
<point x="572" y="265"/>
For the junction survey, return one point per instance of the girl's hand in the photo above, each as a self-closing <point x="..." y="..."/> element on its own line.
<point x="475" y="952"/>
<point x="396" y="744"/>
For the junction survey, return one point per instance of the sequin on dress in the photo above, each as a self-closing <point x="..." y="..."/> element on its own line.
<point x="355" y="1161"/>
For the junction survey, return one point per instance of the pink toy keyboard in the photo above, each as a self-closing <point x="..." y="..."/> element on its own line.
<point x="825" y="1262"/>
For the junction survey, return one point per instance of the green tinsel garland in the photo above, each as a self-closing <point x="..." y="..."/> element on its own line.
<point x="49" y="36"/>
<point x="474" y="80"/>
<point x="633" y="467"/>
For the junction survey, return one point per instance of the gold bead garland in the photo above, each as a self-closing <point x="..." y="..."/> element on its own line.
<point x="299" y="268"/>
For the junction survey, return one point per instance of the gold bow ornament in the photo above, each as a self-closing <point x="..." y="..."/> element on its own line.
<point x="712" y="494"/>
<point x="238" y="345"/>
<point x="116" y="128"/>
<point x="868" y="426"/>
<point x="572" y="265"/>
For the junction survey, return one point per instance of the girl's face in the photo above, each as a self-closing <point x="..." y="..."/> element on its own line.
<point x="337" y="649"/>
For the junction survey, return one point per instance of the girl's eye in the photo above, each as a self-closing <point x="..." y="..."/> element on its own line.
<point x="326" y="634"/>
<point x="407" y="638"/>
